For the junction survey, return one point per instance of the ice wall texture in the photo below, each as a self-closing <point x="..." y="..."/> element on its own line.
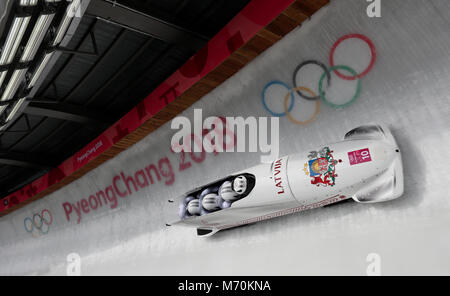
<point x="408" y="89"/>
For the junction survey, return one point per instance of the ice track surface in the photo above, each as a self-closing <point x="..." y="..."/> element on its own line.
<point x="408" y="89"/>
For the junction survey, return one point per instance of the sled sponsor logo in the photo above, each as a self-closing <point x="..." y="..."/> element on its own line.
<point x="277" y="176"/>
<point x="321" y="167"/>
<point x="359" y="156"/>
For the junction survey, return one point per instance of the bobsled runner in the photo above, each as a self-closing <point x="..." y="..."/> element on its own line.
<point x="365" y="167"/>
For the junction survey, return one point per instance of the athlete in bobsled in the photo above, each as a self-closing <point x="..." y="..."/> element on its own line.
<point x="365" y="167"/>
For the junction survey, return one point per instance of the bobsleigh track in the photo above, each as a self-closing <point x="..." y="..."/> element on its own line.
<point x="406" y="52"/>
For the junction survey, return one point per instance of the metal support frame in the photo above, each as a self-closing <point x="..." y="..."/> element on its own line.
<point x="128" y="18"/>
<point x="93" y="70"/>
<point x="79" y="52"/>
<point x="68" y="112"/>
<point x="27" y="121"/>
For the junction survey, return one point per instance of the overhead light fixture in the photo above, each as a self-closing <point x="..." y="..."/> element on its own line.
<point x="37" y="73"/>
<point x="32" y="46"/>
<point x="12" y="43"/>
<point x="28" y="2"/>
<point x="15" y="109"/>
<point x="13" y="84"/>
<point x="36" y="37"/>
<point x="67" y="19"/>
<point x="13" y="40"/>
<point x="2" y="77"/>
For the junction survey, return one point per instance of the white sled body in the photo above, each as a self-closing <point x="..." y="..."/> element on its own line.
<point x="365" y="167"/>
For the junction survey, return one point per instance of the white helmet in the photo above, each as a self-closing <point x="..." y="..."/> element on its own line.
<point x="240" y="184"/>
<point x="226" y="192"/>
<point x="194" y="207"/>
<point x="210" y="202"/>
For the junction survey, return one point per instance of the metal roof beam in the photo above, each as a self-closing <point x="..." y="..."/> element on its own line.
<point x="69" y="112"/>
<point x="146" y="24"/>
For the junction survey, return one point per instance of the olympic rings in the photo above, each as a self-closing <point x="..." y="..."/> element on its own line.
<point x="327" y="73"/>
<point x="40" y="219"/>
<point x="42" y="231"/>
<point x="352" y="100"/>
<point x="28" y="228"/>
<point x="289" y="115"/>
<point x="325" y="69"/>
<point x="264" y="99"/>
<point x="50" y="214"/>
<point x="372" y="50"/>
<point x="38" y="223"/>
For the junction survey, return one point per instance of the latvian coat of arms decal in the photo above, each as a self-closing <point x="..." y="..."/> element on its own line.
<point x="321" y="167"/>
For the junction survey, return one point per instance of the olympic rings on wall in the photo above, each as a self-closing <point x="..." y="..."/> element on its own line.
<point x="294" y="77"/>
<point x="289" y="115"/>
<point x="352" y="100"/>
<point x="39" y="224"/>
<point x="264" y="98"/>
<point x="326" y="74"/>
<point x="372" y="51"/>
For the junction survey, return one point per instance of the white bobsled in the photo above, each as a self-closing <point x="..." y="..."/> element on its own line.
<point x="365" y="167"/>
